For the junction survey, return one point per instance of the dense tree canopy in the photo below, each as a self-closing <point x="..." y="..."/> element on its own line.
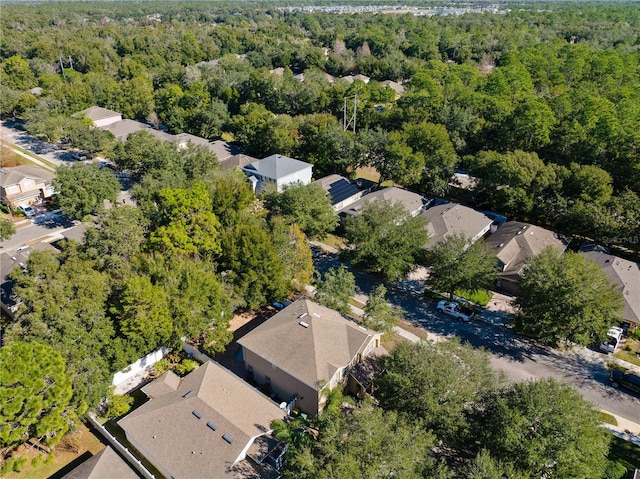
<point x="307" y="206"/>
<point x="335" y="289"/>
<point x="35" y="394"/>
<point x="455" y="263"/>
<point x="83" y="188"/>
<point x="545" y="428"/>
<point x="384" y="240"/>
<point x="438" y="383"/>
<point x="566" y="298"/>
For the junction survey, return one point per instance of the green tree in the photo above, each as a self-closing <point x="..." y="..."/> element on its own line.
<point x="120" y="236"/>
<point x="64" y="304"/>
<point x="366" y="442"/>
<point x="438" y="383"/>
<point x="17" y="74"/>
<point x="252" y="264"/>
<point x="83" y="188"/>
<point x="293" y="249"/>
<point x="566" y="298"/>
<point x="546" y="429"/>
<point x="35" y="395"/>
<point x="336" y="288"/>
<point x="186" y="223"/>
<point x="456" y="263"/>
<point x="422" y="154"/>
<point x="384" y="240"/>
<point x="117" y="404"/>
<point x="7" y="230"/>
<point x="142" y="311"/>
<point x="308" y="206"/>
<point x="378" y="313"/>
<point x="142" y="152"/>
<point x="483" y="466"/>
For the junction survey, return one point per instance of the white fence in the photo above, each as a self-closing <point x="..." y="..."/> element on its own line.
<point x="195" y="354"/>
<point x="139" y="366"/>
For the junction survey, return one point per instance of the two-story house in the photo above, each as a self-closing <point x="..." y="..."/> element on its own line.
<point x="305" y="350"/>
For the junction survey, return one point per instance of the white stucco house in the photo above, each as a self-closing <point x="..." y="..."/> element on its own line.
<point x="278" y="170"/>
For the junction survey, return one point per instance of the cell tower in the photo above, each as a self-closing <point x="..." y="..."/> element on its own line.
<point x="350" y="121"/>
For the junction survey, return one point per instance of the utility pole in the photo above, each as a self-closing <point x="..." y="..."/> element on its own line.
<point x="351" y="120"/>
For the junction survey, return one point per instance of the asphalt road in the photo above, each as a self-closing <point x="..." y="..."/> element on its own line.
<point x="519" y="358"/>
<point x="44" y="224"/>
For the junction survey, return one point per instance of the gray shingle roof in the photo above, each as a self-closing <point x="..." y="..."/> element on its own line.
<point x="168" y="429"/>
<point x="106" y="464"/>
<point x="15" y="174"/>
<point x="624" y="274"/>
<point x="514" y="242"/>
<point x="276" y="166"/>
<point x="96" y="113"/>
<point x="412" y="202"/>
<point x="338" y="187"/>
<point x="311" y="354"/>
<point x="451" y="218"/>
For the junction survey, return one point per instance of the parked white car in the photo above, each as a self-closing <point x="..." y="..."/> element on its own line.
<point x="610" y="344"/>
<point x="28" y="211"/>
<point x="454" y="309"/>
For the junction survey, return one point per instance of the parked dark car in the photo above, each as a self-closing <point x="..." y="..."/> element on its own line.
<point x="626" y="380"/>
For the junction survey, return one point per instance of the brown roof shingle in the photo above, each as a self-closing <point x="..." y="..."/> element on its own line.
<point x="308" y="341"/>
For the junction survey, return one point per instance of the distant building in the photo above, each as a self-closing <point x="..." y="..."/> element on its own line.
<point x="514" y="243"/>
<point x="113" y="122"/>
<point x="100" y="117"/>
<point x="209" y="424"/>
<point x="304" y="350"/>
<point x="413" y="203"/>
<point x="395" y="86"/>
<point x="625" y="276"/>
<point x="279" y="171"/>
<point x="341" y="190"/>
<point x="450" y="219"/>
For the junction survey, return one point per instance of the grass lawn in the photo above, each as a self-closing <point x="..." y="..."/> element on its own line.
<point x="628" y="353"/>
<point x="481" y="296"/>
<point x="624" y="452"/>
<point x="608" y="418"/>
<point x="73" y="446"/>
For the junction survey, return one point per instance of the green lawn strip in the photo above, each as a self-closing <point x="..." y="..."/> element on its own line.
<point x="625" y="452"/>
<point x="34" y="156"/>
<point x="480" y="297"/>
<point x="607" y="418"/>
<point x="628" y="353"/>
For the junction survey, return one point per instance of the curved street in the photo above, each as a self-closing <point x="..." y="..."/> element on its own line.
<point x="518" y="357"/>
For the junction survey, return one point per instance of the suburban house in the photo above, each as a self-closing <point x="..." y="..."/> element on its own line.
<point x="305" y="350"/>
<point x="113" y="122"/>
<point x="413" y="203"/>
<point x="101" y="117"/>
<point x="24" y="185"/>
<point x="351" y="78"/>
<point x="395" y="86"/>
<point x="342" y="191"/>
<point x="237" y="161"/>
<point x="105" y="464"/>
<point x="624" y="274"/>
<point x="278" y="170"/>
<point x="515" y="242"/>
<point x="208" y="424"/>
<point x="450" y="219"/>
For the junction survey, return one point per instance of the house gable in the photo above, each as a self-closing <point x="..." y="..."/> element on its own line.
<point x="201" y="425"/>
<point x="308" y="342"/>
